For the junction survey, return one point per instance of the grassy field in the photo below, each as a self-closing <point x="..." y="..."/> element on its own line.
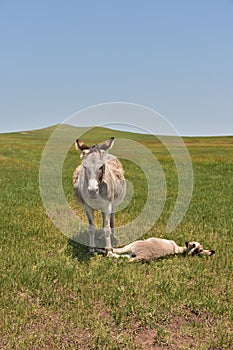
<point x="53" y="295"/>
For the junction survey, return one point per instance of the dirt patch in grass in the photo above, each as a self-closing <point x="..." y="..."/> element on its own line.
<point x="145" y="339"/>
<point x="188" y="330"/>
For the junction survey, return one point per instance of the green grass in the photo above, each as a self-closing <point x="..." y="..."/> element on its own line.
<point x="53" y="295"/>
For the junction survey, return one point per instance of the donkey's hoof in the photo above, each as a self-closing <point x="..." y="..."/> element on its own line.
<point x="101" y="251"/>
<point x="110" y="254"/>
<point x="92" y="251"/>
<point x="109" y="251"/>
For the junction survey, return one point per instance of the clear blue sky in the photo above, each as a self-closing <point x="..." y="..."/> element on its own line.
<point x="175" y="56"/>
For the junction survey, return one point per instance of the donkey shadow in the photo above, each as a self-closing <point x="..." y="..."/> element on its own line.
<point x="79" y="245"/>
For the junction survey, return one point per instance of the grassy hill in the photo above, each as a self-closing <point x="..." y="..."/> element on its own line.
<point x="55" y="296"/>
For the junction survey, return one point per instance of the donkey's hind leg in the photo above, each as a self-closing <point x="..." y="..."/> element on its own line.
<point x="113" y="237"/>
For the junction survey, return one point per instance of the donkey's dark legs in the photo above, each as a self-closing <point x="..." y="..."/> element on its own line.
<point x="113" y="237"/>
<point x="112" y="224"/>
<point x="91" y="228"/>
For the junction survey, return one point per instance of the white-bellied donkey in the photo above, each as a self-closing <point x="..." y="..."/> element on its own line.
<point x="99" y="184"/>
<point x="155" y="248"/>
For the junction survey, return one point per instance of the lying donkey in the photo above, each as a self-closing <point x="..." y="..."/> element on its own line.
<point x="155" y="248"/>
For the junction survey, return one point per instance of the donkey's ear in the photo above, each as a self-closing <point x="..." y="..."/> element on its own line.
<point x="107" y="144"/>
<point x="189" y="245"/>
<point x="80" y="145"/>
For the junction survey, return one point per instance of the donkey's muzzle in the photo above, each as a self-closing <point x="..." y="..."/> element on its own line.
<point x="93" y="192"/>
<point x="93" y="188"/>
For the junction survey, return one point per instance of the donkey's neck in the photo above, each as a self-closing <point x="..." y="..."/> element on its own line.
<point x="181" y="250"/>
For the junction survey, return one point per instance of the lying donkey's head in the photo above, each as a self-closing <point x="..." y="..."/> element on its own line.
<point x="94" y="158"/>
<point x="195" y="248"/>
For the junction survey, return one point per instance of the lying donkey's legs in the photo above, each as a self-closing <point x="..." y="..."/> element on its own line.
<point x="91" y="229"/>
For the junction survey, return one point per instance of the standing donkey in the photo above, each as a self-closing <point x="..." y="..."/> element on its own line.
<point x="99" y="184"/>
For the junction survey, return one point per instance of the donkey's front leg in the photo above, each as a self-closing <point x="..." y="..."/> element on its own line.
<point x="113" y="237"/>
<point x="91" y="229"/>
<point x="106" y="214"/>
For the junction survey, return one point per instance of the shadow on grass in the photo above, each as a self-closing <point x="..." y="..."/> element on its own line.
<point x="79" y="251"/>
<point x="79" y="245"/>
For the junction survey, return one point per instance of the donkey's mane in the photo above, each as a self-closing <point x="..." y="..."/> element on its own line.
<point x="93" y="148"/>
<point x="96" y="149"/>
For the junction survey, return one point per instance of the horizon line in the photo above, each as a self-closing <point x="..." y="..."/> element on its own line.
<point x="130" y="131"/>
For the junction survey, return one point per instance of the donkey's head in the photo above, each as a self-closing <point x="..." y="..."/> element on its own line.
<point x="195" y="248"/>
<point x="94" y="164"/>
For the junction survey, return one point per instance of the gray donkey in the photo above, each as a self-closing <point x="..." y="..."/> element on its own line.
<point x="99" y="184"/>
